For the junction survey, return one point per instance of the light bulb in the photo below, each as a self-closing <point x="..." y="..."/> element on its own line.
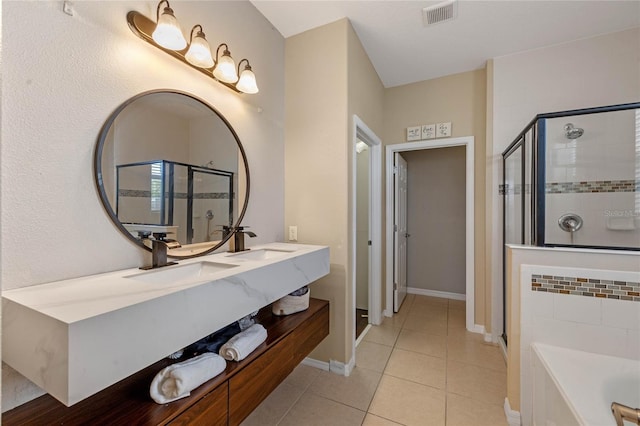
<point x="199" y="53"/>
<point x="247" y="81"/>
<point x="168" y="33"/>
<point x="225" y="69"/>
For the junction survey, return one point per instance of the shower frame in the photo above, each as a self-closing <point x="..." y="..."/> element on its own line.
<point x="534" y="154"/>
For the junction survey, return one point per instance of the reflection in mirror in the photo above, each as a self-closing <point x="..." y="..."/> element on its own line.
<point x="168" y="162"/>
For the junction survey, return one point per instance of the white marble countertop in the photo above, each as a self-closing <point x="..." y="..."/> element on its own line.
<point x="76" y="337"/>
<point x="85" y="297"/>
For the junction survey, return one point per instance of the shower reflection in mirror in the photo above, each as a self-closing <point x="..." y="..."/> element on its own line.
<point x="179" y="198"/>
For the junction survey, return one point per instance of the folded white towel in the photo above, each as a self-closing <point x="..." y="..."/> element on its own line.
<point x="178" y="380"/>
<point x="242" y="344"/>
<point x="290" y="304"/>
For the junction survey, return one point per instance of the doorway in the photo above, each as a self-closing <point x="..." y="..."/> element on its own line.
<point x="391" y="150"/>
<point x="366" y="227"/>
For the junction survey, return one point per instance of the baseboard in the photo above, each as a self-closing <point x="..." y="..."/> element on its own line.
<point x="341" y="368"/>
<point x="364" y="333"/>
<point x="513" y="417"/>
<point x="503" y="346"/>
<point x="321" y="365"/>
<point x="387" y="313"/>
<point x="488" y="337"/>
<point x="435" y="293"/>
<point x="334" y="366"/>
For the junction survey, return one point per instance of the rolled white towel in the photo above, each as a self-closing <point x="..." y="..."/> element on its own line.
<point x="290" y="304"/>
<point x="242" y="344"/>
<point x="178" y="380"/>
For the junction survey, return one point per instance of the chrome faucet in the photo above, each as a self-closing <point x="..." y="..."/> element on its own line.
<point x="159" y="245"/>
<point x="622" y="413"/>
<point x="236" y="243"/>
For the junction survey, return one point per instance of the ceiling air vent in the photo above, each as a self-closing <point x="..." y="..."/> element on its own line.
<point x="441" y="12"/>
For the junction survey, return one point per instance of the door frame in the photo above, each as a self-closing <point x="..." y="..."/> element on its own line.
<point x="468" y="143"/>
<point x="361" y="131"/>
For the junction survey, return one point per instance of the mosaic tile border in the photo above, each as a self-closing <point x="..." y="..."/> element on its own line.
<point x="605" y="289"/>
<point x="629" y="185"/>
<point x="178" y="195"/>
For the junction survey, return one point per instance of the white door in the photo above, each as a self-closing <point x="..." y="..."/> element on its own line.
<point x="400" y="232"/>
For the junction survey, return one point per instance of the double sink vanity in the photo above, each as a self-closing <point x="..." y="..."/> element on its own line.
<point x="77" y="337"/>
<point x="94" y="343"/>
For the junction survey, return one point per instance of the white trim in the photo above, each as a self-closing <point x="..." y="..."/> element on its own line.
<point x="468" y="143"/>
<point x="488" y="337"/>
<point x="513" y="417"/>
<point x="364" y="333"/>
<point x="341" y="368"/>
<point x="436" y="293"/>
<point x="321" y="365"/>
<point x="332" y="366"/>
<point x="387" y="313"/>
<point x="503" y="346"/>
<point x="477" y="328"/>
<point x="362" y="131"/>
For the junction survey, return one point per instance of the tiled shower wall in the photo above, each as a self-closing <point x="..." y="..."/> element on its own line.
<point x="592" y="324"/>
<point x="596" y="176"/>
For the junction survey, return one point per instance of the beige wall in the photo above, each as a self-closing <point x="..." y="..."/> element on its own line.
<point x="436" y="219"/>
<point x="328" y="79"/>
<point x="316" y="161"/>
<point x="460" y="99"/>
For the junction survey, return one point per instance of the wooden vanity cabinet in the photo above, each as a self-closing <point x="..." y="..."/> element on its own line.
<point x="211" y="410"/>
<point x="227" y="399"/>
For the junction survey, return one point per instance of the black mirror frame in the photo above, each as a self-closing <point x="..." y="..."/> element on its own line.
<point x="97" y="170"/>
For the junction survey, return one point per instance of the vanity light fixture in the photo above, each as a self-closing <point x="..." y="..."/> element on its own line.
<point x="166" y="35"/>
<point x="247" y="81"/>
<point x="199" y="53"/>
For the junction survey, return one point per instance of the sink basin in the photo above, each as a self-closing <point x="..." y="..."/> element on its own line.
<point x="181" y="273"/>
<point x="261" y="254"/>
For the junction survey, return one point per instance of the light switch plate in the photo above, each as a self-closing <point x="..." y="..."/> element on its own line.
<point x="428" y="131"/>
<point x="414" y="133"/>
<point x="443" y="130"/>
<point x="293" y="233"/>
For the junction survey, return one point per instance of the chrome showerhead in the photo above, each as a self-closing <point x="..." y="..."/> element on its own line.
<point x="209" y="215"/>
<point x="572" y="132"/>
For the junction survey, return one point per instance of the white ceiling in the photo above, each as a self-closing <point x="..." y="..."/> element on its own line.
<point x="403" y="51"/>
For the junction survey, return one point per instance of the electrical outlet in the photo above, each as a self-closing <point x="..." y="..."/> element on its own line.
<point x="293" y="233"/>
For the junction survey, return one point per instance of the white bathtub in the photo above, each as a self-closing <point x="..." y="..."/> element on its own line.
<point x="577" y="388"/>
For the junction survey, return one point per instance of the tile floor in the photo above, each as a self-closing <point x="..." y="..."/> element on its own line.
<point x="420" y="367"/>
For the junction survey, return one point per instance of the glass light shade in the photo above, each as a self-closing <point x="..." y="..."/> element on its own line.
<point x="247" y="82"/>
<point x="225" y="70"/>
<point x="199" y="53"/>
<point x="168" y="33"/>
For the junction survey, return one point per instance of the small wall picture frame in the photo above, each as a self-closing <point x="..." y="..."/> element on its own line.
<point x="414" y="133"/>
<point x="443" y="130"/>
<point x="428" y="131"/>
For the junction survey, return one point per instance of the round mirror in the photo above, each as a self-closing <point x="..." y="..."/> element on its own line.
<point x="168" y="163"/>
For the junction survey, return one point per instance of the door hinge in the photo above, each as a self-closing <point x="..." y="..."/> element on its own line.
<point x="395" y="228"/>
<point x="395" y="170"/>
<point x="369" y="242"/>
<point x="395" y="286"/>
